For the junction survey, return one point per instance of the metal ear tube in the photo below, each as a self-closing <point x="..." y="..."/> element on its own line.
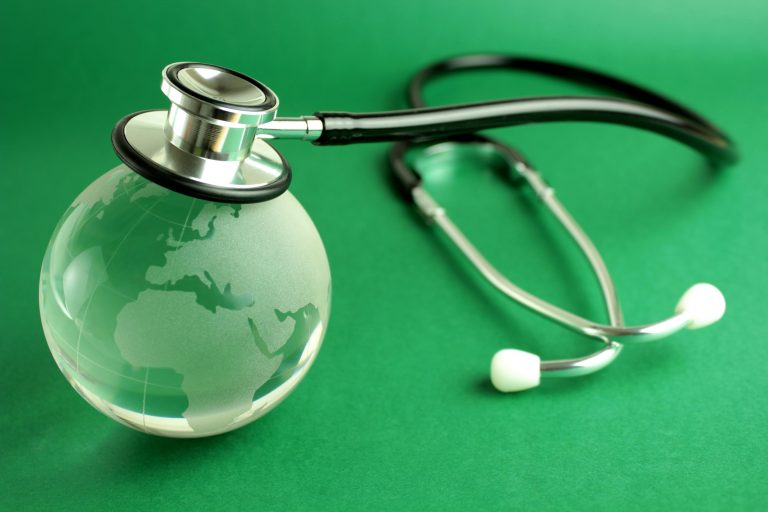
<point x="515" y="370"/>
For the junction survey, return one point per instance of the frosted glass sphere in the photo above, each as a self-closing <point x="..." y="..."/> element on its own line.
<point x="178" y="316"/>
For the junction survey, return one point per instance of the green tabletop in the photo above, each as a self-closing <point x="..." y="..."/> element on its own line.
<point x="398" y="412"/>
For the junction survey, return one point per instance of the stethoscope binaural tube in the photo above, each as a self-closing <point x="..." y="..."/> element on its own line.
<point x="515" y="370"/>
<point x="511" y="369"/>
<point x="691" y="310"/>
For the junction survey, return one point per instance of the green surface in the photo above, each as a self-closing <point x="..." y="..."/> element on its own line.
<point x="397" y="413"/>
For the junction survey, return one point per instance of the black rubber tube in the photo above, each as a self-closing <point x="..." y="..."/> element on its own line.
<point x="645" y="109"/>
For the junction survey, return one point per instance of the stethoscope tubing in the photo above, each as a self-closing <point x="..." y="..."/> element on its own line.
<point x="645" y="109"/>
<point x="637" y="107"/>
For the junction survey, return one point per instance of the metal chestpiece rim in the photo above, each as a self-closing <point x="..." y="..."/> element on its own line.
<point x="205" y="145"/>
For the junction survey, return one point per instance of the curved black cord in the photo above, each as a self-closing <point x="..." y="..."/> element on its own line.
<point x="645" y="109"/>
<point x="554" y="69"/>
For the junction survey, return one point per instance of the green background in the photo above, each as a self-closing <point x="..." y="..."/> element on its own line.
<point x="397" y="412"/>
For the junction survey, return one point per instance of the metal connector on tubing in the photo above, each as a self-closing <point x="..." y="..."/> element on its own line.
<point x="426" y="204"/>
<point x="542" y="189"/>
<point x="306" y="128"/>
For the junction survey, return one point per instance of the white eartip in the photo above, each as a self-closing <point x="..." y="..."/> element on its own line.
<point x="703" y="303"/>
<point x="515" y="370"/>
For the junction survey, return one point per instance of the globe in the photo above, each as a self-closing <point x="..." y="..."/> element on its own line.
<point x="182" y="317"/>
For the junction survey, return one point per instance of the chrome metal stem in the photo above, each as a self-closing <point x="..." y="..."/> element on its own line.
<point x="553" y="368"/>
<point x="303" y="128"/>
<point x="547" y="195"/>
<point x="579" y="366"/>
<point x="638" y="333"/>
<point x="597" y="361"/>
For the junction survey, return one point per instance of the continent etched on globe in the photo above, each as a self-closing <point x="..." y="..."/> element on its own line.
<point x="180" y="316"/>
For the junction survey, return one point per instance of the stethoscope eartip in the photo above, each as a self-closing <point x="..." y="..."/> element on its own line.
<point x="703" y="303"/>
<point x="515" y="370"/>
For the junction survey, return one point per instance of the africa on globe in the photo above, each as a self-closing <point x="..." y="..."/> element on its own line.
<point x="178" y="316"/>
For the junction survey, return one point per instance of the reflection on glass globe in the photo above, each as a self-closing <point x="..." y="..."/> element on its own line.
<point x="182" y="317"/>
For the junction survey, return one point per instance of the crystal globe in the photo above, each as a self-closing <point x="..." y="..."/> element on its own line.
<point x="178" y="316"/>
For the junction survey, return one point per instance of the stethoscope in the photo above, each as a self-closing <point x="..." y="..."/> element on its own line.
<point x="212" y="144"/>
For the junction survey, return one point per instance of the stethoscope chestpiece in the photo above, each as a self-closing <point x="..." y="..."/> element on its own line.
<point x="205" y="145"/>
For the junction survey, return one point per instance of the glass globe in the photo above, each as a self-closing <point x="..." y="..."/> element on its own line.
<point x="178" y="316"/>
